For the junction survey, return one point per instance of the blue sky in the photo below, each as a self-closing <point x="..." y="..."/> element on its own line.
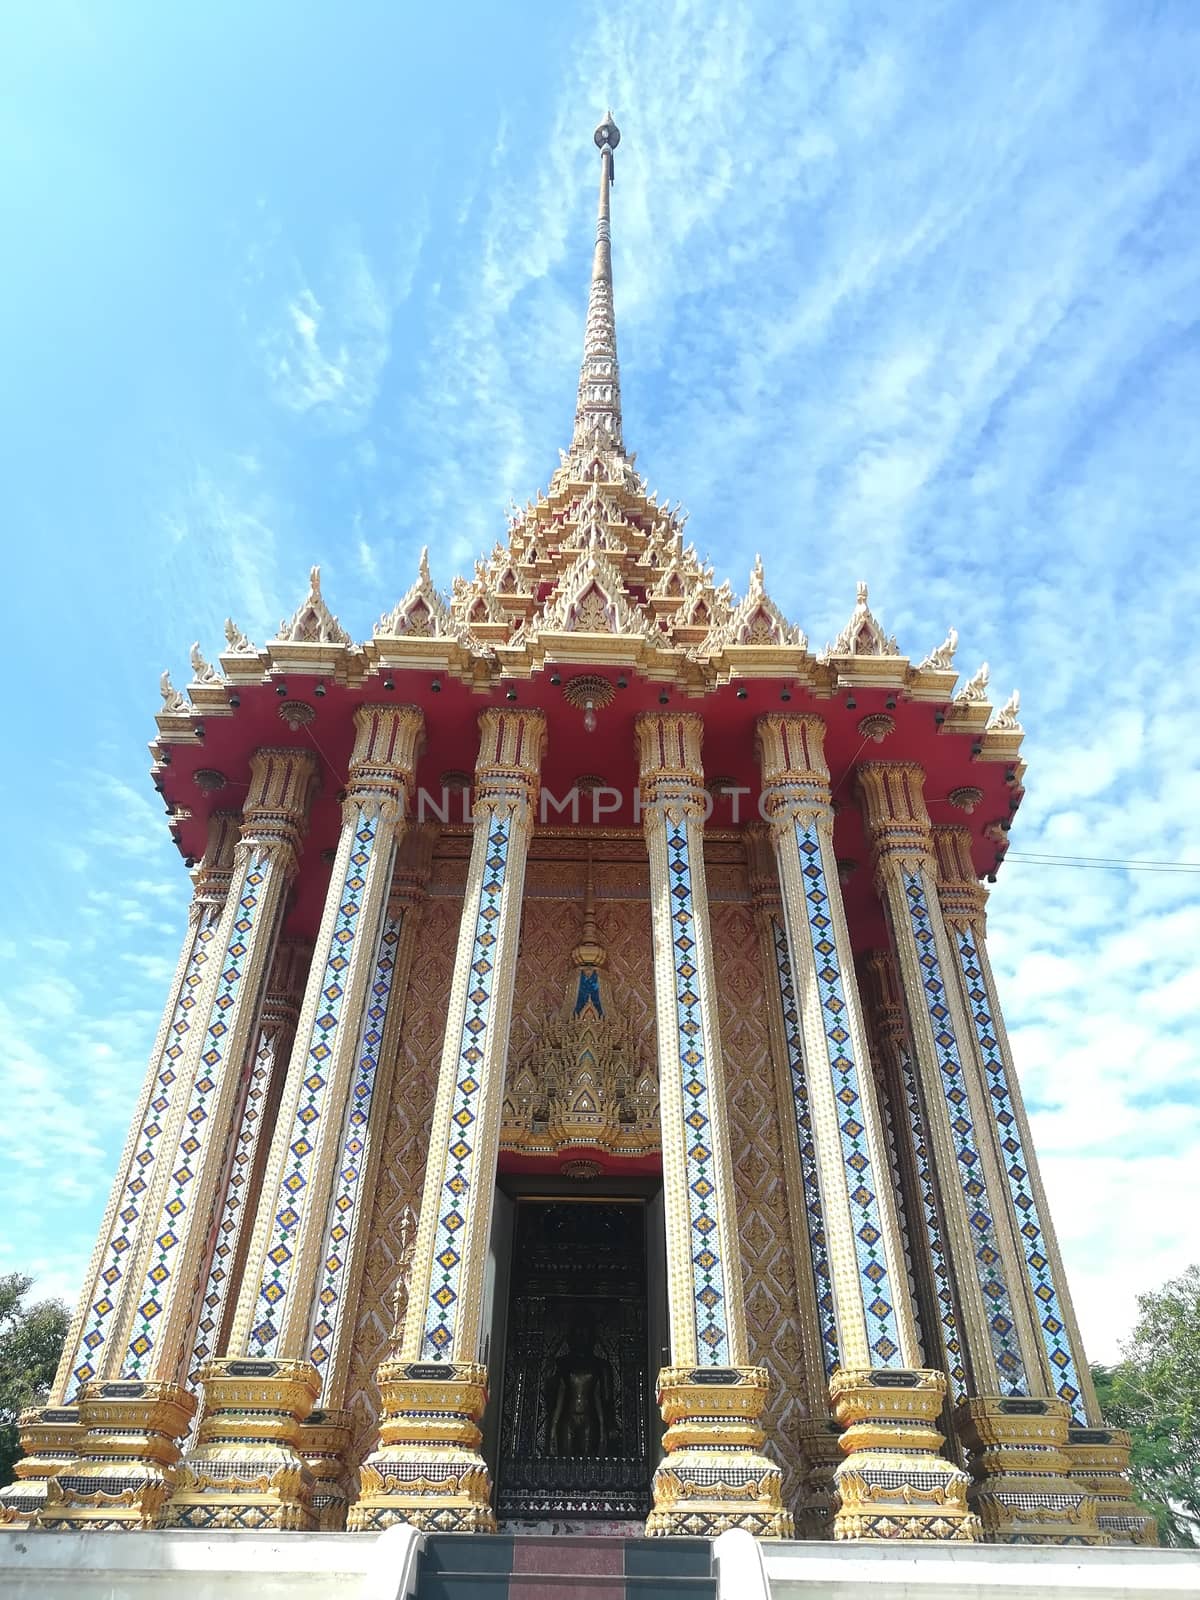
<point x="904" y="293"/>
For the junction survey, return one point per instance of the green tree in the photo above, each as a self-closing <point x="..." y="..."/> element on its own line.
<point x="1154" y="1391"/>
<point x="31" y="1341"/>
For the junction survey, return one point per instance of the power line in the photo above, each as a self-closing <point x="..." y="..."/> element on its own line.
<point x="1103" y="863"/>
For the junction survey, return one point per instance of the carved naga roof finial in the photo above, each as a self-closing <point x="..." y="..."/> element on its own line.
<point x="173" y="699"/>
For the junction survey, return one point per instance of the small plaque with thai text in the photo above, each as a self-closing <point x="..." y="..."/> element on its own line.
<point x="252" y="1369"/>
<point x="1023" y="1408"/>
<point x="122" y="1391"/>
<point x="428" y="1372"/>
<point x="715" y="1375"/>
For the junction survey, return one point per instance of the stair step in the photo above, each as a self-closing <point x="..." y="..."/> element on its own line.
<point x="457" y="1566"/>
<point x="559" y="1586"/>
<point x="567" y="1554"/>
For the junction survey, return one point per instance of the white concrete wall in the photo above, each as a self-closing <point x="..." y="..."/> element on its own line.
<point x="817" y="1571"/>
<point x="200" y="1566"/>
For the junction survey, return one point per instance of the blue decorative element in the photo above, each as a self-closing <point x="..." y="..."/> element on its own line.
<point x="145" y="1152"/>
<point x="943" y="1289"/>
<point x="588" y="993"/>
<point x="292" y="1200"/>
<point x="250" y="892"/>
<point x="458" y="1160"/>
<point x="708" y="1273"/>
<point x="989" y="1264"/>
<point x="883" y="1333"/>
<point x="1054" y="1329"/>
<point x="813" y="1207"/>
<point x="342" y="1211"/>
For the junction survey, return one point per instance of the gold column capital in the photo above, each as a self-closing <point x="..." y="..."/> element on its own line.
<point x="387" y="742"/>
<point x="962" y="895"/>
<point x="795" y="773"/>
<point x="282" y="785"/>
<point x="670" y="766"/>
<point x="412" y="869"/>
<point x="892" y="795"/>
<point x="285" y="986"/>
<point x="884" y="995"/>
<point x="508" y="765"/>
<point x="211" y="879"/>
<point x="762" y="870"/>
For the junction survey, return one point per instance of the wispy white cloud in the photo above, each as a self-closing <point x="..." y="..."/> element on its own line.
<point x="326" y="352"/>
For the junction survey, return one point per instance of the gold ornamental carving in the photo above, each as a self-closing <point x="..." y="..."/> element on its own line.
<point x="894" y="1484"/>
<point x="584" y="1084"/>
<point x="246" y="1470"/>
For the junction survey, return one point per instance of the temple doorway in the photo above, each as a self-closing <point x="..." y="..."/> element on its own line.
<point x="577" y="1429"/>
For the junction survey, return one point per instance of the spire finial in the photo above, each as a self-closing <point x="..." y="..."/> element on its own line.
<point x="598" y="411"/>
<point x="589" y="952"/>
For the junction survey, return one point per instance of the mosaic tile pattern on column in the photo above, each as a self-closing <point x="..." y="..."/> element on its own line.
<point x="988" y="1262"/>
<point x="951" y="1343"/>
<point x="344" y="1209"/>
<point x="216" y="1295"/>
<point x="292" y="1198"/>
<point x="145" y="1151"/>
<point x="458" y="1161"/>
<point x="822" y="1283"/>
<point x="1054" y="1329"/>
<point x="708" y="1275"/>
<point x="882" y="1328"/>
<point x="250" y="893"/>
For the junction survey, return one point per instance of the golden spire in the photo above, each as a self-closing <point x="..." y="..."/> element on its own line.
<point x="598" y="412"/>
<point x="589" y="952"/>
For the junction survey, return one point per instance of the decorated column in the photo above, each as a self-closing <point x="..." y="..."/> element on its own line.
<point x="714" y="1474"/>
<point x="326" y="1434"/>
<point x="263" y="1073"/>
<point x="257" y="1396"/>
<point x="1012" y="1424"/>
<point x="427" y="1468"/>
<point x="133" y="1421"/>
<point x="1098" y="1456"/>
<point x="818" y="1320"/>
<point x="891" y="1051"/>
<point x="893" y="1483"/>
<point x="51" y="1434"/>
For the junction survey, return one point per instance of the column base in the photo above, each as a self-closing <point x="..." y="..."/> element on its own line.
<point x="427" y="1469"/>
<point x="714" y="1475"/>
<point x="893" y="1483"/>
<point x="324" y="1439"/>
<point x="1019" y="1465"/>
<point x="127" y="1461"/>
<point x="1098" y="1460"/>
<point x="50" y="1437"/>
<point x="819" y="1441"/>
<point x="246" y="1470"/>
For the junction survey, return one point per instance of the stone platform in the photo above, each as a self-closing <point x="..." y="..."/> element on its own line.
<point x="402" y="1565"/>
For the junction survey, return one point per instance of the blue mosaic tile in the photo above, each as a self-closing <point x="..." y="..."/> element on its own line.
<point x="989" y="1265"/>
<point x="708" y="1272"/>
<point x="878" y="1292"/>
<point x="814" y="1208"/>
<point x="346" y="1196"/>
<point x="234" y="1216"/>
<point x="459" y="1159"/>
<point x="1055" y="1336"/>
<point x="248" y="892"/>
<point x="86" y="1361"/>
<point x="291" y="1202"/>
<point x="939" y="1261"/>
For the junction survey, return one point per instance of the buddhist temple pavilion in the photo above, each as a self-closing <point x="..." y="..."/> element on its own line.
<point x="582" y="1098"/>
